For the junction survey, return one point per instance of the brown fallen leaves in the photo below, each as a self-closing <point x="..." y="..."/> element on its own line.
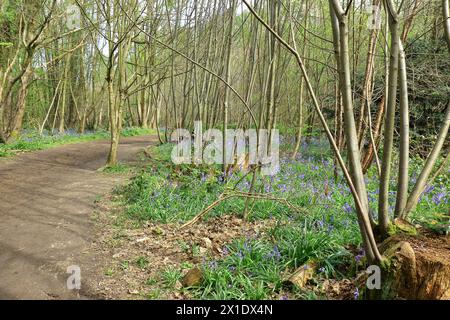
<point x="193" y="278"/>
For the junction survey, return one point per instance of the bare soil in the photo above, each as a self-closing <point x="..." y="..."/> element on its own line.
<point x="46" y="204"/>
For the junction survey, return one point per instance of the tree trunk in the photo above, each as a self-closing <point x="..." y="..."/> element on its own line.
<point x="17" y="120"/>
<point x="383" y="204"/>
<point x="403" y="166"/>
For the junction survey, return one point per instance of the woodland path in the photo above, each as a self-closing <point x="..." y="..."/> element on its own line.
<point x="46" y="203"/>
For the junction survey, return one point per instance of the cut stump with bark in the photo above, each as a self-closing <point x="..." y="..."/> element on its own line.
<point x="418" y="267"/>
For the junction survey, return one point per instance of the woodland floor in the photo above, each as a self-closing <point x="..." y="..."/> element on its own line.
<point x="46" y="225"/>
<point x="57" y="209"/>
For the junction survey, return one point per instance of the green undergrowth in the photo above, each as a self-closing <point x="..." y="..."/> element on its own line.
<point x="324" y="233"/>
<point x="117" y="169"/>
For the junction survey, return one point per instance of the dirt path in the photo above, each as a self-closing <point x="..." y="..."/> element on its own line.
<point x="46" y="201"/>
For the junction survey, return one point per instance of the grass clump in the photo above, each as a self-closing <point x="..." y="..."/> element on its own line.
<point x="118" y="168"/>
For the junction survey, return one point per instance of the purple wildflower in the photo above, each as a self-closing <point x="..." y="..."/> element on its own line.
<point x="275" y="253"/>
<point x="360" y="256"/>
<point x="225" y="251"/>
<point x="356" y="294"/>
<point x="321" y="223"/>
<point x="428" y="189"/>
<point x="438" y="198"/>
<point x="213" y="265"/>
<point x="330" y="228"/>
<point x="348" y="208"/>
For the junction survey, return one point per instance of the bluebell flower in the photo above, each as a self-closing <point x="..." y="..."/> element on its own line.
<point x="361" y="255"/>
<point x="348" y="208"/>
<point x="321" y="223"/>
<point x="429" y="189"/>
<point x="439" y="198"/>
<point x="275" y="253"/>
<point x="356" y="294"/>
<point x="330" y="228"/>
<point x="213" y="265"/>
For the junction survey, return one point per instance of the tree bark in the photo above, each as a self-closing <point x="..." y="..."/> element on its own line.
<point x="403" y="166"/>
<point x="386" y="165"/>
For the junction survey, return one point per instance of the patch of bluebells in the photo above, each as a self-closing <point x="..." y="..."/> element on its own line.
<point x="439" y="198"/>
<point x="436" y="196"/>
<point x="347" y="208"/>
<point x="300" y="179"/>
<point x="275" y="253"/>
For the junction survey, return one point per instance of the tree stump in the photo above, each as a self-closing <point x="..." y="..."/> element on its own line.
<point x="418" y="267"/>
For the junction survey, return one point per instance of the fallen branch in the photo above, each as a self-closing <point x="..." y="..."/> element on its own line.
<point x="228" y="194"/>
